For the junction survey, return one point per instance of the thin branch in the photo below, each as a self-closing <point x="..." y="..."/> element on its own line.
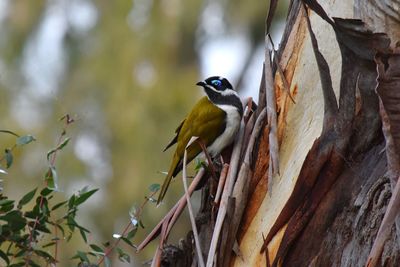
<point x="210" y="163"/>
<point x="241" y="189"/>
<point x="157" y="257"/>
<point x="233" y="169"/>
<point x="110" y="249"/>
<point x="189" y="204"/>
<point x="182" y="202"/>
<point x="221" y="183"/>
<point x="173" y="214"/>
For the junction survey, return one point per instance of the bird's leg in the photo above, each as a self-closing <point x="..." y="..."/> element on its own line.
<point x="210" y="163"/>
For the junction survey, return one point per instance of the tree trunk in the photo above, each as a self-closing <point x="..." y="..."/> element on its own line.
<point x="337" y="168"/>
<point x="332" y="202"/>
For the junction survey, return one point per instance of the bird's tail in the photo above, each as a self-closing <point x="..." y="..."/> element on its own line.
<point x="171" y="173"/>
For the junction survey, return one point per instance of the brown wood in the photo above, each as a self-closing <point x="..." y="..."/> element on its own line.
<point x="340" y="195"/>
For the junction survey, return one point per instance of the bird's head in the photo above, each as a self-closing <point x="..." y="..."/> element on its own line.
<point x="217" y="84"/>
<point x="220" y="92"/>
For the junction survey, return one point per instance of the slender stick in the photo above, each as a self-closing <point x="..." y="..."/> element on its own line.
<point x="210" y="163"/>
<point x="174" y="213"/>
<point x="157" y="257"/>
<point x="189" y="204"/>
<point x="225" y="196"/>
<point x="221" y="182"/>
<point x="182" y="202"/>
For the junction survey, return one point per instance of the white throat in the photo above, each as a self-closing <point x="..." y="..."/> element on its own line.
<point x="233" y="119"/>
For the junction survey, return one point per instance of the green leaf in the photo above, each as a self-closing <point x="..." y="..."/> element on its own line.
<point x="15" y="220"/>
<point x="59" y="147"/>
<point x="49" y="244"/>
<point x="58" y="205"/>
<point x="71" y="202"/>
<point x="97" y="248"/>
<point x="7" y="206"/>
<point x="141" y="224"/>
<point x="45" y="191"/>
<point x="6" y="202"/>
<point x="131" y="233"/>
<point x="126" y="240"/>
<point x="24" y="140"/>
<point x="33" y="264"/>
<point x="9" y="132"/>
<point x="154" y="187"/>
<point x="19" y="264"/>
<point x="122" y="256"/>
<point x="28" y="197"/>
<point x="52" y="178"/>
<point x="21" y="253"/>
<point x="9" y="158"/>
<point x="198" y="164"/>
<point x="71" y="223"/>
<point x="81" y="256"/>
<point x="42" y="228"/>
<point x="83" y="197"/>
<point x="83" y="234"/>
<point x="44" y="255"/>
<point x="4" y="257"/>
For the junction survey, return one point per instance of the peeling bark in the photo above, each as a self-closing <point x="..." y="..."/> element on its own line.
<point x="338" y="169"/>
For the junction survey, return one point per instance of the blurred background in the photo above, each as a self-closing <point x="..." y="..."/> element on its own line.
<point x="125" y="71"/>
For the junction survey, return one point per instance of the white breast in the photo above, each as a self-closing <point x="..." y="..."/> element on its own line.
<point x="232" y="126"/>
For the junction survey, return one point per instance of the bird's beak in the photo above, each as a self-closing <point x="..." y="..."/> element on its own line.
<point x="201" y="83"/>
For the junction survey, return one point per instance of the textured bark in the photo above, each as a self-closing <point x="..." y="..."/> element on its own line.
<point x="334" y="211"/>
<point x="337" y="169"/>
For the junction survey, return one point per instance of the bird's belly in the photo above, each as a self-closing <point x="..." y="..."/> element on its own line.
<point x="233" y="119"/>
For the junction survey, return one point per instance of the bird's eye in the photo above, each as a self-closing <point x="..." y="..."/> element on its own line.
<point x="216" y="83"/>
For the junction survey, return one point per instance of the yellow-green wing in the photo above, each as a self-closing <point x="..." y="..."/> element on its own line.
<point x="173" y="141"/>
<point x="205" y="121"/>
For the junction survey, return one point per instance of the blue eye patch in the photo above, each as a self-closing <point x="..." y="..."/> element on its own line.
<point x="217" y="83"/>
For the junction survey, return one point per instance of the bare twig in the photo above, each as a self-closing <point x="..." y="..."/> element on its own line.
<point x="182" y="202"/>
<point x="189" y="204"/>
<point x="221" y="182"/>
<point x="241" y="189"/>
<point x="157" y="257"/>
<point x="233" y="169"/>
<point x="173" y="214"/>
<point x="210" y="163"/>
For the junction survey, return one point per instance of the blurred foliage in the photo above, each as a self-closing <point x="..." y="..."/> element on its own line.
<point x="30" y="230"/>
<point x="126" y="71"/>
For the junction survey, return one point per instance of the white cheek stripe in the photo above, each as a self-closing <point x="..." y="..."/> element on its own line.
<point x="226" y="92"/>
<point x="229" y="92"/>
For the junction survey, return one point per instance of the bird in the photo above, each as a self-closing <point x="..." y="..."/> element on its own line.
<point x="215" y="119"/>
